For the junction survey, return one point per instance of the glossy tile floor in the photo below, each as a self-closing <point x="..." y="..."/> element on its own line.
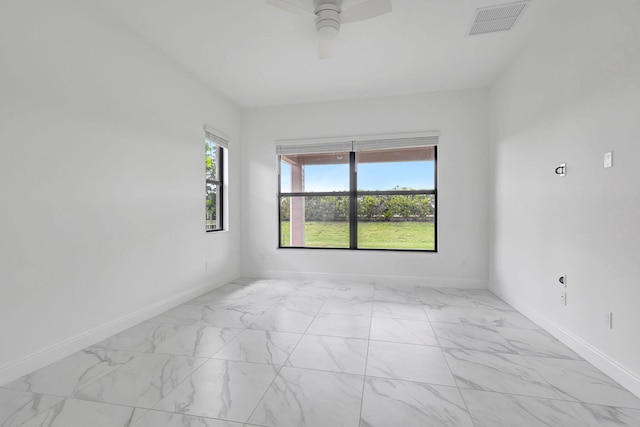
<point x="293" y="354"/>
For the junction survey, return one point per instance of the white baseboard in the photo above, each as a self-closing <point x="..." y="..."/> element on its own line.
<point x="373" y="279"/>
<point x="617" y="372"/>
<point x="12" y="371"/>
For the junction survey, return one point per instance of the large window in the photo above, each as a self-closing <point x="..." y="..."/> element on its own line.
<point x="378" y="194"/>
<point x="215" y="146"/>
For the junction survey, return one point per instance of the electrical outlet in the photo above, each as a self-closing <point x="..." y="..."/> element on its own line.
<point x="563" y="281"/>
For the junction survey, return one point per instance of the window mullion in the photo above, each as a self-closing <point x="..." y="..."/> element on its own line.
<point x="353" y="202"/>
<point x="315" y="193"/>
<point x="396" y="192"/>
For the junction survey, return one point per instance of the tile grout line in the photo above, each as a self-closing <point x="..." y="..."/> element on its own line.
<point x="212" y="358"/>
<point x="190" y="374"/>
<point x="283" y="363"/>
<point x="366" y="364"/>
<point x="449" y="366"/>
<point x="466" y="405"/>
<point x="195" y="370"/>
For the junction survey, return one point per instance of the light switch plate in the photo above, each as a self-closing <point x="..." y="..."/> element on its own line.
<point x="608" y="159"/>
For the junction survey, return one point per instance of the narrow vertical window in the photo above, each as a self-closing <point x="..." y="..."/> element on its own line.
<point x="215" y="147"/>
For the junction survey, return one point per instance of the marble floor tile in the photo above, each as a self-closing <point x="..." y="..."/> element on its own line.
<point x="272" y="286"/>
<point x="234" y="286"/>
<point x="138" y="413"/>
<point x="437" y="298"/>
<point x="396" y="296"/>
<point x="306" y="398"/>
<point x="282" y="319"/>
<point x="144" y="337"/>
<point x="438" y="301"/>
<point x="396" y="310"/>
<point x="185" y="313"/>
<point x="320" y="294"/>
<point x="244" y="281"/>
<point x="265" y="353"/>
<point x="197" y="341"/>
<point x="606" y="416"/>
<point x="471" y="337"/>
<point x="246" y="301"/>
<point x="347" y="306"/>
<point x="504" y="373"/>
<point x="435" y="291"/>
<point x="361" y="291"/>
<point x="81" y="413"/>
<point x="483" y="298"/>
<point x="316" y="289"/>
<point x="536" y="342"/>
<point x="268" y="283"/>
<point x="408" y="362"/>
<point x="319" y="284"/>
<point x="17" y="407"/>
<point x="232" y="317"/>
<point x="346" y="355"/>
<point x="579" y="380"/>
<point x="65" y="377"/>
<point x="408" y="404"/>
<point x="221" y="296"/>
<point x="221" y="389"/>
<point x="480" y="316"/>
<point x="431" y="295"/>
<point x="203" y="315"/>
<point x="340" y="325"/>
<point x="142" y="382"/>
<point x="253" y="303"/>
<point x="258" y="346"/>
<point x="308" y="305"/>
<point x="402" y="331"/>
<point x="490" y="409"/>
<point x="171" y="419"/>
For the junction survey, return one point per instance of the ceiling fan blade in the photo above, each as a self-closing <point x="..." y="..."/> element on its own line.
<point x="366" y="10"/>
<point x="325" y="49"/>
<point x="294" y="6"/>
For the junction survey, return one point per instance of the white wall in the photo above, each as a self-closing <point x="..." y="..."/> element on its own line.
<point x="101" y="182"/>
<point x="570" y="96"/>
<point x="463" y="120"/>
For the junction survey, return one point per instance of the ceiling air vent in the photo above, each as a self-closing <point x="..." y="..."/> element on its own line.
<point x="493" y="19"/>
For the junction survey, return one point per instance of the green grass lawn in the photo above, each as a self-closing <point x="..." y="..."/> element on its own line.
<point x="379" y="235"/>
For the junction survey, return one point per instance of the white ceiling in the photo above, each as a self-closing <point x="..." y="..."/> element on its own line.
<point x="257" y="55"/>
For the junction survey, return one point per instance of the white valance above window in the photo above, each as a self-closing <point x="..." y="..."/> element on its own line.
<point x="390" y="143"/>
<point x="357" y="143"/>
<point x="216" y="136"/>
<point x="314" y="148"/>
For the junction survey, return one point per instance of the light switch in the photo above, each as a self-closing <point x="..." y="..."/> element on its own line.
<point x="608" y="159"/>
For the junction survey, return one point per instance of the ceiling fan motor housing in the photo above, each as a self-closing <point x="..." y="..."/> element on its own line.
<point x="328" y="19"/>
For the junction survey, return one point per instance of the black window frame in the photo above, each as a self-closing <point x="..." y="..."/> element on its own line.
<point x="353" y="195"/>
<point x="219" y="183"/>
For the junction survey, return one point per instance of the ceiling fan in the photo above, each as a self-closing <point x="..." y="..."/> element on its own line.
<point x="329" y="15"/>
